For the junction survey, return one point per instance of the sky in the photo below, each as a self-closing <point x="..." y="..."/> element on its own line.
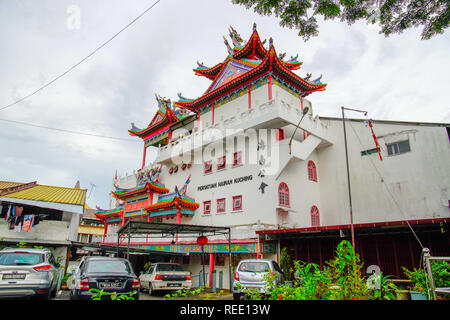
<point x="399" y="78"/>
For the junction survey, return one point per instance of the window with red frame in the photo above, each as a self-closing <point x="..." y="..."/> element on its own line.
<point x="237" y="158"/>
<point x="283" y="195"/>
<point x="237" y="203"/>
<point x="221" y="163"/>
<point x="208" y="167"/>
<point x="207" y="207"/>
<point x="315" y="216"/>
<point x="221" y="205"/>
<point x="312" y="171"/>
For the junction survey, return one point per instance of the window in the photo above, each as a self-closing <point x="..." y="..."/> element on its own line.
<point x="208" y="167"/>
<point x="221" y="163"/>
<point x="221" y="205"/>
<point x="206" y="207"/>
<point x="283" y="195"/>
<point x="237" y="158"/>
<point x="398" y="148"/>
<point x="315" y="217"/>
<point x="237" y="203"/>
<point x="312" y="171"/>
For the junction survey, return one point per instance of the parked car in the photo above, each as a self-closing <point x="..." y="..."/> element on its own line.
<point x="26" y="272"/>
<point x="103" y="273"/>
<point x="250" y="274"/>
<point x="165" y="276"/>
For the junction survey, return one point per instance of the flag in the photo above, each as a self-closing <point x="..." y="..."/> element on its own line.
<point x="188" y="180"/>
<point x="376" y="140"/>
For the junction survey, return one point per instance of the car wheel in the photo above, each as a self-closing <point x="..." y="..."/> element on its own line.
<point x="150" y="289"/>
<point x="236" y="296"/>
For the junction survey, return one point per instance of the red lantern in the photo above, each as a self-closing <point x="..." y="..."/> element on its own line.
<point x="202" y="240"/>
<point x="183" y="166"/>
<point x="175" y="169"/>
<point x="170" y="170"/>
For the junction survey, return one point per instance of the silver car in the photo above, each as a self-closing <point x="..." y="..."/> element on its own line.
<point x="28" y="273"/>
<point x="250" y="274"/>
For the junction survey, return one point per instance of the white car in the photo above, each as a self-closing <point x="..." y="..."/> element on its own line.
<point x="165" y="276"/>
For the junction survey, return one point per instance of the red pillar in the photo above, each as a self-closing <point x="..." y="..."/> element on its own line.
<point x="211" y="267"/>
<point x="270" y="86"/>
<point x="105" y="231"/>
<point x="249" y="97"/>
<point x="143" y="157"/>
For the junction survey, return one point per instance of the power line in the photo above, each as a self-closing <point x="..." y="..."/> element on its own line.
<point x="385" y="185"/>
<point x="81" y="61"/>
<point x="65" y="130"/>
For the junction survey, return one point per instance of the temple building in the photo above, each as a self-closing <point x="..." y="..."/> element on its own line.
<point x="250" y="154"/>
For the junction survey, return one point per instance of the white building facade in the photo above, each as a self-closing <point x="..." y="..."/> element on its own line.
<point x="258" y="160"/>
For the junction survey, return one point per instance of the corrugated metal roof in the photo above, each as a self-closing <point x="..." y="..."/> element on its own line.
<point x="52" y="194"/>
<point x="9" y="184"/>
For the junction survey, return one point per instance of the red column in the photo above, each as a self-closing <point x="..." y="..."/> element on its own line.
<point x="143" y="157"/>
<point x="105" y="231"/>
<point x="211" y="267"/>
<point x="249" y="97"/>
<point x="270" y="86"/>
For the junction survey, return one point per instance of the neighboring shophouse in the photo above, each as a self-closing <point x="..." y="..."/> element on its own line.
<point x="40" y="215"/>
<point x="235" y="157"/>
<point x="91" y="228"/>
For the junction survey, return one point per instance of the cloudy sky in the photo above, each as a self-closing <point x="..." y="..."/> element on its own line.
<point x="397" y="78"/>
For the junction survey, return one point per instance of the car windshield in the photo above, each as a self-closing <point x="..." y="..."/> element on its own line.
<point x="106" y="266"/>
<point x="20" y="258"/>
<point x="254" y="267"/>
<point x="169" y="267"/>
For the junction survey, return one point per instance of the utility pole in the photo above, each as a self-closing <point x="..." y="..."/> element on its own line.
<point x="348" y="173"/>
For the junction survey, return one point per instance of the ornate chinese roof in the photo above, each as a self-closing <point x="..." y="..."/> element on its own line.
<point x="244" y="65"/>
<point x="157" y="132"/>
<point x="147" y="180"/>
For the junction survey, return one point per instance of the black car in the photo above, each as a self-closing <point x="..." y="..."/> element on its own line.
<point x="115" y="276"/>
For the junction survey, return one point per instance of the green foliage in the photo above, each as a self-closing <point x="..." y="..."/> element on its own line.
<point x="98" y="294"/>
<point x="393" y="16"/>
<point x="340" y="279"/>
<point x="286" y="264"/>
<point x="183" y="293"/>
<point x="441" y="277"/>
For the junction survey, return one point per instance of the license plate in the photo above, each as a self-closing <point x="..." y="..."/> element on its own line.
<point x="110" y="285"/>
<point x="174" y="284"/>
<point x="14" y="276"/>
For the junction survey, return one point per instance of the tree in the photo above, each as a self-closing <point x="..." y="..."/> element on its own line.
<point x="393" y="16"/>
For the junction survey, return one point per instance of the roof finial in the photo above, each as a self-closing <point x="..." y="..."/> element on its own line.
<point x="230" y="50"/>
<point x="254" y="26"/>
<point x="270" y="42"/>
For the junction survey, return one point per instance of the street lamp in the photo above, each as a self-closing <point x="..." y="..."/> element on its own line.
<point x="305" y="111"/>
<point x="348" y="172"/>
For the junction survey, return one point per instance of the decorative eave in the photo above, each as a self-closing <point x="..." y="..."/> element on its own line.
<point x="166" y="121"/>
<point x="124" y="194"/>
<point x="271" y="64"/>
<point x="108" y="214"/>
<point x="176" y="201"/>
<point x="209" y="73"/>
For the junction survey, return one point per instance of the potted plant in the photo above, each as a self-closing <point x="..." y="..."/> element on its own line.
<point x="441" y="277"/>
